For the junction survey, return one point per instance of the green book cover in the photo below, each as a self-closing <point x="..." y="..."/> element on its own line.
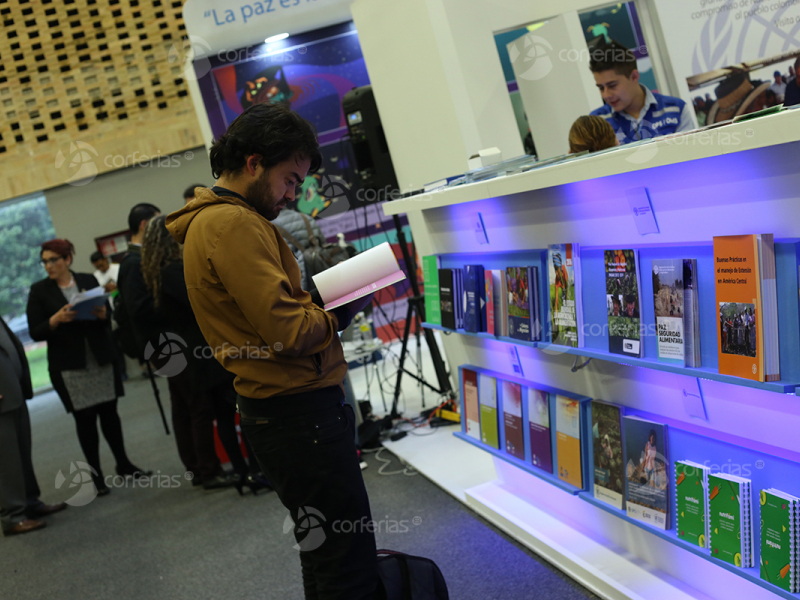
<point x="430" y="274"/>
<point x="726" y="520"/>
<point x="487" y="394"/>
<point x="776" y="550"/>
<point x="691" y="505"/>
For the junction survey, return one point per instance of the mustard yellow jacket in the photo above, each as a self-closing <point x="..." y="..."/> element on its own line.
<point x="244" y="285"/>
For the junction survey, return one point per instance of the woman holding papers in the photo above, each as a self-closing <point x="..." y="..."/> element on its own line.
<point x="80" y="355"/>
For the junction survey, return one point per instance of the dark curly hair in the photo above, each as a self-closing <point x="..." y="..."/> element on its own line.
<point x="271" y="130"/>
<point x="613" y="55"/>
<point x="62" y="247"/>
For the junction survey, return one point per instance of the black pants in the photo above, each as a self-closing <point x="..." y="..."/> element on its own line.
<point x="193" y="423"/>
<point x="305" y="446"/>
<point x="86" y="424"/>
<point x="19" y="491"/>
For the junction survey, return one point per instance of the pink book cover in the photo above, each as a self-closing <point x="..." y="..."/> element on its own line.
<point x="489" y="304"/>
<point x="367" y="289"/>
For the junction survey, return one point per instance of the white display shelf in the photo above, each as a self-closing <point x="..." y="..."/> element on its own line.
<point x="772" y="130"/>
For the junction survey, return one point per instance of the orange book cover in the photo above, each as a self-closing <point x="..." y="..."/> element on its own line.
<point x="568" y="441"/>
<point x="740" y="335"/>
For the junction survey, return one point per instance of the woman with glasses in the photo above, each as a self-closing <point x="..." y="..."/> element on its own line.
<point x="80" y="355"/>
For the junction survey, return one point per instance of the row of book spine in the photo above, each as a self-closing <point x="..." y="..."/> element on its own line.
<point x="507" y="303"/>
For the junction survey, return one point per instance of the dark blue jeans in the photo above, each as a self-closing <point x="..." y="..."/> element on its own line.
<point x="304" y="444"/>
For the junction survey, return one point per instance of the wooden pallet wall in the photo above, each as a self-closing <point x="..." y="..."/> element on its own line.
<point x="89" y="86"/>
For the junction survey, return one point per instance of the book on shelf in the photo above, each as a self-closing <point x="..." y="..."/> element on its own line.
<point x="691" y="318"/>
<point x="364" y="274"/>
<point x="623" y="302"/>
<point x="647" y="471"/>
<point x="487" y="395"/>
<point x="472" y="410"/>
<point x="500" y="295"/>
<point x="668" y="303"/>
<point x="730" y="519"/>
<point x="609" y="456"/>
<point x="447" y="298"/>
<point x="780" y="535"/>
<point x="746" y="297"/>
<point x="568" y="440"/>
<point x="489" y="295"/>
<point x="566" y="307"/>
<point x="539" y="429"/>
<point x="512" y="418"/>
<point x="475" y="298"/>
<point x="691" y="502"/>
<point x="460" y="297"/>
<point x="430" y="276"/>
<point x="523" y="303"/>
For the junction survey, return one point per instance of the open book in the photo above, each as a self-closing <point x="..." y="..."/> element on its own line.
<point x="363" y="274"/>
<point x="84" y="302"/>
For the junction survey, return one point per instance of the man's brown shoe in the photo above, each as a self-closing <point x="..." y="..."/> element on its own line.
<point x="44" y="510"/>
<point x="24" y="527"/>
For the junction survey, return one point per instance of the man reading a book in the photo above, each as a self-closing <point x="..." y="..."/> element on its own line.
<point x="245" y="289"/>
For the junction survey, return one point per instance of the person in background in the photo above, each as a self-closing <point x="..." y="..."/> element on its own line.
<point x="591" y="133"/>
<point x="244" y="286"/>
<point x="106" y="273"/>
<point x="188" y="193"/>
<point x="20" y="507"/>
<point x="81" y="358"/>
<point x="792" y="94"/>
<point x="212" y="385"/>
<point x="631" y="109"/>
<point x="778" y="87"/>
<point x="190" y="422"/>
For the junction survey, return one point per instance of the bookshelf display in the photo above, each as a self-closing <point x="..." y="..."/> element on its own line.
<point x="698" y="191"/>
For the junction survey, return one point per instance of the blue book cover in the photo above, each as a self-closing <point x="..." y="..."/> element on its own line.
<point x="473" y="286"/>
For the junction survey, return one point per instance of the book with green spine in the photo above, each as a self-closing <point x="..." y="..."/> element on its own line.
<point x="779" y="539"/>
<point x="430" y="275"/>
<point x="730" y="519"/>
<point x="691" y="491"/>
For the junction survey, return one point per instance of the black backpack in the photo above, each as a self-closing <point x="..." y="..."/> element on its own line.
<point x="406" y="577"/>
<point x="317" y="254"/>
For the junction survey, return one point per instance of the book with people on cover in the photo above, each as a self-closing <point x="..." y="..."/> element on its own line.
<point x="523" y="303"/>
<point x="669" y="310"/>
<point x="623" y="302"/>
<point x="609" y="456"/>
<point x="364" y="274"/>
<point x="646" y="470"/>
<point x="566" y="314"/>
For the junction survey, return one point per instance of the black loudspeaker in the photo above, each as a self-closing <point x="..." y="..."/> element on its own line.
<point x="374" y="169"/>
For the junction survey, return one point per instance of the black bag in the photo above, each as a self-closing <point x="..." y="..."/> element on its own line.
<point x="406" y="577"/>
<point x="317" y="255"/>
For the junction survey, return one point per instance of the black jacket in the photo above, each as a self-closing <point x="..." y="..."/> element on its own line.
<point x="27" y="386"/>
<point x="175" y="308"/>
<point x="66" y="344"/>
<point x="137" y="301"/>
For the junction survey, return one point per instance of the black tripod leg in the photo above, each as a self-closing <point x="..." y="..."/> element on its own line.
<point x="157" y="395"/>
<point x="409" y="317"/>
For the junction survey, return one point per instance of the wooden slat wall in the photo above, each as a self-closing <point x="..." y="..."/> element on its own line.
<point x="93" y="81"/>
